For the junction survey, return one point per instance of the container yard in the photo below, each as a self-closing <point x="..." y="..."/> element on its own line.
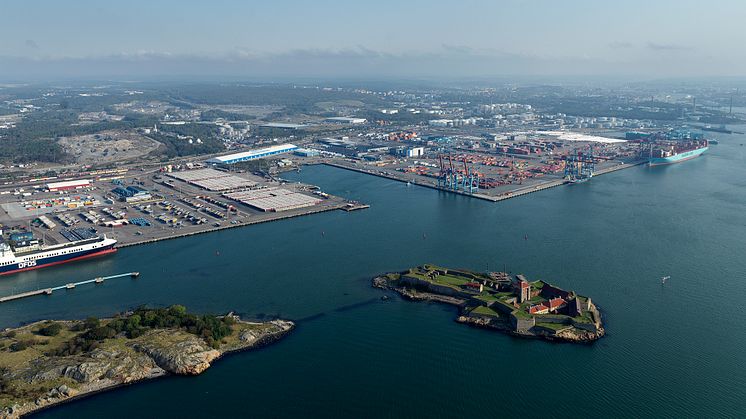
<point x="492" y="169"/>
<point x="49" y="204"/>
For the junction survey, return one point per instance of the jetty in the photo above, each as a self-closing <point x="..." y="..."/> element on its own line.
<point x="68" y="286"/>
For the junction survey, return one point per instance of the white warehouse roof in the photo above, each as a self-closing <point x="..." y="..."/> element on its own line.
<point x="69" y="184"/>
<point x="253" y="154"/>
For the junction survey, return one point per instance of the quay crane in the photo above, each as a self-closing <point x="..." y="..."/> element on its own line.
<point x="580" y="167"/>
<point x="451" y="179"/>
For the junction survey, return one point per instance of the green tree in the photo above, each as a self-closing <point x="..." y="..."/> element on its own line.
<point x="177" y="310"/>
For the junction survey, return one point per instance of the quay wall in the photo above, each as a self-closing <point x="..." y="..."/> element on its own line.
<point x="244" y="224"/>
<point x="498" y="198"/>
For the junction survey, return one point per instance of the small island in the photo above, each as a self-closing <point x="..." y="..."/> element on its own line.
<point x="500" y="301"/>
<point x="50" y="362"/>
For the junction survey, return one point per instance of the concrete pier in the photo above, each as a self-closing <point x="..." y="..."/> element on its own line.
<point x="69" y="286"/>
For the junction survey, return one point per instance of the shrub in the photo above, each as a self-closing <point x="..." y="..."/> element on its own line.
<point x="4" y="381"/>
<point x="21" y="345"/>
<point x="100" y="333"/>
<point x="92" y="323"/>
<point x="51" y="329"/>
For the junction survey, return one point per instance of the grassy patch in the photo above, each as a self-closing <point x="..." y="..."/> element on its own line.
<point x="485" y="311"/>
<point x="446" y="280"/>
<point x="487" y="298"/>
<point x="393" y="276"/>
<point x="521" y="314"/>
<point x="587" y="317"/>
<point x="39" y="345"/>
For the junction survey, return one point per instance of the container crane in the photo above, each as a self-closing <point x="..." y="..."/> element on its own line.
<point x="580" y="167"/>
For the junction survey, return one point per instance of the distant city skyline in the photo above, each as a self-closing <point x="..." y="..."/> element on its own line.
<point x="290" y="38"/>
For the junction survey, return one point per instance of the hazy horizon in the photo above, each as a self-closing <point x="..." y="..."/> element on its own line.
<point x="387" y="39"/>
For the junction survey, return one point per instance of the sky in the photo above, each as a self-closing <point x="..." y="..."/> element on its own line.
<point x="383" y="38"/>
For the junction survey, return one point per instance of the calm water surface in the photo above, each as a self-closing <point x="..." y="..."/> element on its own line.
<point x="673" y="350"/>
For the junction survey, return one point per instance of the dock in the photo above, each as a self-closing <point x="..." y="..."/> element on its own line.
<point x="492" y="198"/>
<point x="257" y="220"/>
<point x="68" y="286"/>
<point x="355" y="206"/>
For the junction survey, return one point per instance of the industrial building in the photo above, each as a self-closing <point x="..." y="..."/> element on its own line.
<point x="346" y="120"/>
<point x="408" y="151"/>
<point x="132" y="193"/>
<point x="306" y="152"/>
<point x="415" y="152"/>
<point x="68" y="185"/>
<point x="281" y="125"/>
<point x="273" y="199"/>
<point x="253" y="154"/>
<point x="213" y="180"/>
<point x="46" y="222"/>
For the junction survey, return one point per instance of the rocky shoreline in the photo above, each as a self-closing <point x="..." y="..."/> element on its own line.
<point x="562" y="336"/>
<point x="496" y="322"/>
<point x="414" y="295"/>
<point x="121" y="362"/>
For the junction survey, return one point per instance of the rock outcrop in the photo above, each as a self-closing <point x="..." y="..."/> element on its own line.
<point x="123" y="361"/>
<point x="188" y="357"/>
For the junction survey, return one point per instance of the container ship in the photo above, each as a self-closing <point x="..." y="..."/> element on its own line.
<point x="676" y="152"/>
<point x="26" y="253"/>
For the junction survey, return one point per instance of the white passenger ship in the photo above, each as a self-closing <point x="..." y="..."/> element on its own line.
<point x="25" y="258"/>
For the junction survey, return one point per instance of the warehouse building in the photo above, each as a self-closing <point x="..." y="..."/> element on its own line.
<point x="346" y="120"/>
<point x="307" y="152"/>
<point x="132" y="193"/>
<point x="273" y="199"/>
<point x="283" y="126"/>
<point x="68" y="185"/>
<point x="213" y="180"/>
<point x="253" y="154"/>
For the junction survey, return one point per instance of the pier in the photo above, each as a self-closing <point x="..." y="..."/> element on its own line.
<point x="68" y="286"/>
<point x="355" y="206"/>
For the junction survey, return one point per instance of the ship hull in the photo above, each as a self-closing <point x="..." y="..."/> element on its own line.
<point x="678" y="158"/>
<point x="45" y="262"/>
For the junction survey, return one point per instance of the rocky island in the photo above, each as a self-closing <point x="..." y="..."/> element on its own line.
<point x="50" y="362"/>
<point x="500" y="301"/>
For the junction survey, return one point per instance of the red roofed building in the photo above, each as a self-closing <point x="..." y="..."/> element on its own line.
<point x="556" y="304"/>
<point x="68" y="185"/>
<point x="538" y="309"/>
